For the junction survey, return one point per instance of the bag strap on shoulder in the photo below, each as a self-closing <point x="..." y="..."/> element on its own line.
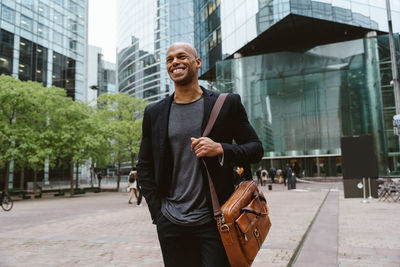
<point x="213" y="117"/>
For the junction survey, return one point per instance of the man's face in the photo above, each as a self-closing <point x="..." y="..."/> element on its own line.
<point x="182" y="64"/>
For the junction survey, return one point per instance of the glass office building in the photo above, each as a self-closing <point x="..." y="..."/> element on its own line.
<point x="145" y="31"/>
<point x="45" y="41"/>
<point x="101" y="75"/>
<point x="309" y="72"/>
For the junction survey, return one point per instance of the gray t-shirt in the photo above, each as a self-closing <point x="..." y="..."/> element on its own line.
<point x="186" y="202"/>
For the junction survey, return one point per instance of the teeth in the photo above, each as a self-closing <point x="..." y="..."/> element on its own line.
<point x="177" y="70"/>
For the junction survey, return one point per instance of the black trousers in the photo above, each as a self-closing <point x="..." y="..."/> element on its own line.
<point x="191" y="246"/>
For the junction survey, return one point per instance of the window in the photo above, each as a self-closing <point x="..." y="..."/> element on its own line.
<point x="75" y="8"/>
<point x="28" y="3"/>
<point x="7" y="14"/>
<point x="58" y="18"/>
<point x="57" y="38"/>
<point x="211" y="6"/>
<point x="79" y="48"/>
<point x="43" y="9"/>
<point x="6" y="52"/>
<point x="26" y="23"/>
<point x="212" y="40"/>
<point x="60" y="2"/>
<point x="64" y="73"/>
<point x="72" y="44"/>
<point x="81" y="30"/>
<point x="32" y="62"/>
<point x="72" y="25"/>
<point x="43" y="31"/>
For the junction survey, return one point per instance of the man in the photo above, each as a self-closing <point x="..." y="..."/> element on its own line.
<point x="272" y="173"/>
<point x="287" y="174"/>
<point x="171" y="174"/>
<point x="264" y="175"/>
<point x="258" y="174"/>
<point x="99" y="177"/>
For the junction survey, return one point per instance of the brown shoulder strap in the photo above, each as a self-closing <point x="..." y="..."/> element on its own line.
<point x="213" y="117"/>
<point x="214" y="113"/>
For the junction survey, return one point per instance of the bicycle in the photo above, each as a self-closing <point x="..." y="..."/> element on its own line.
<point x="6" y="201"/>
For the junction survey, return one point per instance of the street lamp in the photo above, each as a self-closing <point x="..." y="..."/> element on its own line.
<point x="95" y="87"/>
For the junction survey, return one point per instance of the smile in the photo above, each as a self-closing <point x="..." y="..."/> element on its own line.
<point x="177" y="70"/>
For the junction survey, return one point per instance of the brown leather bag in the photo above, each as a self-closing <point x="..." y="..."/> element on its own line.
<point x="244" y="224"/>
<point x="243" y="221"/>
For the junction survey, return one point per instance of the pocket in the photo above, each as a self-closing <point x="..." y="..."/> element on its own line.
<point x="159" y="217"/>
<point x="253" y="228"/>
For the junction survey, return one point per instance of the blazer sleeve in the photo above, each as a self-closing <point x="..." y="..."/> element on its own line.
<point x="247" y="148"/>
<point x="146" y="168"/>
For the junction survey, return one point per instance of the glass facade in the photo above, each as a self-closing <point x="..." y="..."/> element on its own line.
<point x="302" y="103"/>
<point x="109" y="77"/>
<point x="64" y="73"/>
<point x="45" y="41"/>
<point x="6" y="52"/>
<point x="307" y="74"/>
<point x="223" y="27"/>
<point x="145" y="31"/>
<point x="387" y="94"/>
<point x="32" y="62"/>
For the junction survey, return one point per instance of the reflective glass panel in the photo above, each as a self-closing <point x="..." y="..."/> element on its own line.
<point x="58" y="18"/>
<point x="43" y="31"/>
<point x="43" y="9"/>
<point x="26" y="23"/>
<point x="7" y="14"/>
<point x="6" y="52"/>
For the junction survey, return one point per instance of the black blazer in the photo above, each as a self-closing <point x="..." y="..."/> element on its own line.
<point x="155" y="166"/>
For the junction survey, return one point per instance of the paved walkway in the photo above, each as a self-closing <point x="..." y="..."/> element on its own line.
<point x="322" y="234"/>
<point x="103" y="230"/>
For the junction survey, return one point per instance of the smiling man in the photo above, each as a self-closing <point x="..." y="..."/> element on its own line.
<point x="171" y="176"/>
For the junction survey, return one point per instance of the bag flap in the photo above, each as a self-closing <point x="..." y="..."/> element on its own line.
<point x="245" y="221"/>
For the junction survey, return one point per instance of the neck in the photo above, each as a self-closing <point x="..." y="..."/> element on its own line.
<point x="187" y="93"/>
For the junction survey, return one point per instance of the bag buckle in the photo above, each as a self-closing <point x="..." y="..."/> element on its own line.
<point x="221" y="221"/>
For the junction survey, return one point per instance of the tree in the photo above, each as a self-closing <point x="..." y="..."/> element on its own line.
<point x="122" y="118"/>
<point x="95" y="145"/>
<point x="33" y="131"/>
<point x="69" y="125"/>
<point x="15" y="103"/>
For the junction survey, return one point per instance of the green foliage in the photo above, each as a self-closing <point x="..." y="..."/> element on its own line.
<point x="39" y="123"/>
<point x="121" y="117"/>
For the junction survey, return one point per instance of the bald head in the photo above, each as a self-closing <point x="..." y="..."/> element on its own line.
<point x="188" y="48"/>
<point x="182" y="64"/>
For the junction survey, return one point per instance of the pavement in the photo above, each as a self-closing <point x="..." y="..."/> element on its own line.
<point x="313" y="225"/>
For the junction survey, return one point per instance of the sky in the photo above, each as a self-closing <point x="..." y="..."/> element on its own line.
<point x="102" y="27"/>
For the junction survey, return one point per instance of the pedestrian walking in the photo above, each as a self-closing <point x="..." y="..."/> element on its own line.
<point x="258" y="174"/>
<point x="99" y="177"/>
<point x="287" y="175"/>
<point x="279" y="175"/>
<point x="171" y="175"/>
<point x="132" y="186"/>
<point x="272" y="173"/>
<point x="264" y="176"/>
<point x="296" y="169"/>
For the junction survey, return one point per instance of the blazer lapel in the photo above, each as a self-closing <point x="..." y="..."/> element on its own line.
<point x="164" y="118"/>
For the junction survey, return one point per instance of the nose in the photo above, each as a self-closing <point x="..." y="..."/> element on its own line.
<point x="174" y="61"/>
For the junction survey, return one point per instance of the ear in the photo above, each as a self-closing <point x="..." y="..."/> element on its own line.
<point x="198" y="63"/>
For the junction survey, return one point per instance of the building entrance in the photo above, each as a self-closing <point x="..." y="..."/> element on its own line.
<point x="308" y="166"/>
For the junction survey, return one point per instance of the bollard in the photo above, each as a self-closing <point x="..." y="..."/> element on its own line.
<point x="270" y="187"/>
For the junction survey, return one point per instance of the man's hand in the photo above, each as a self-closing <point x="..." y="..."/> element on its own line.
<point x="205" y="147"/>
